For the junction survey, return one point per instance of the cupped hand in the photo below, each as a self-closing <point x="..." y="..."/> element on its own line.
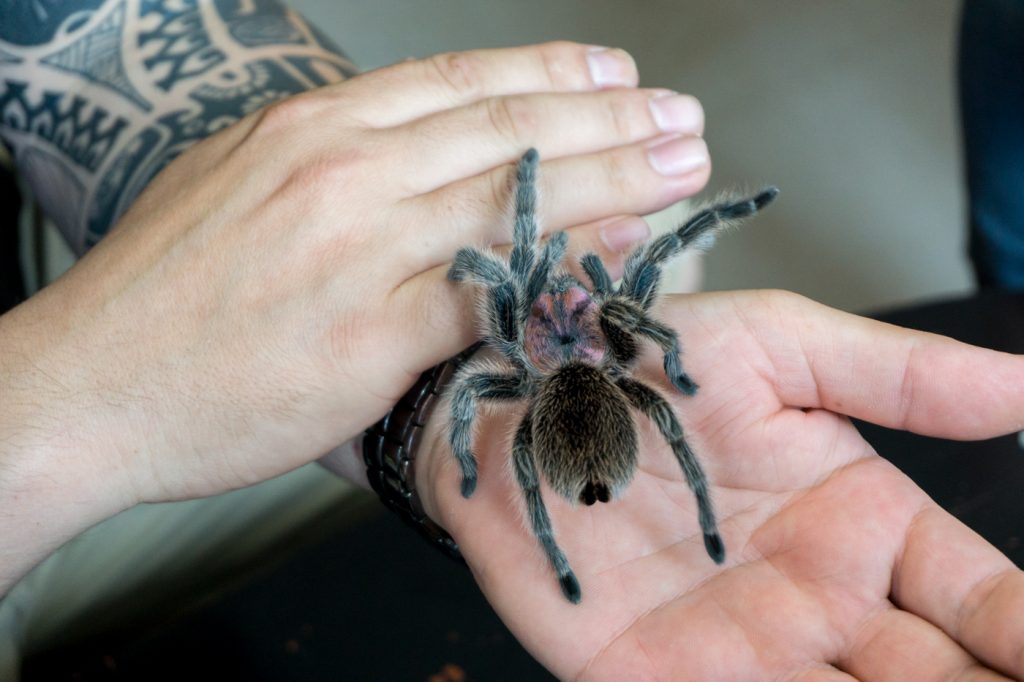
<point x="281" y="284"/>
<point x="839" y="567"/>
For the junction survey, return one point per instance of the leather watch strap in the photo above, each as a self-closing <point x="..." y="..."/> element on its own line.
<point x="390" y="445"/>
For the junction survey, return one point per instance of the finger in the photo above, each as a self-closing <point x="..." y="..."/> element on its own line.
<point x="895" y="645"/>
<point x="610" y="239"/>
<point x="440" y="305"/>
<point x="466" y="141"/>
<point x="952" y="577"/>
<point x="410" y="89"/>
<point x="574" y="191"/>
<point x="895" y="377"/>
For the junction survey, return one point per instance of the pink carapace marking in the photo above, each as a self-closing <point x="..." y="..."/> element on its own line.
<point x="564" y="327"/>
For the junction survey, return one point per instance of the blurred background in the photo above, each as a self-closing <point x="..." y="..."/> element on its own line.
<point x="849" y="107"/>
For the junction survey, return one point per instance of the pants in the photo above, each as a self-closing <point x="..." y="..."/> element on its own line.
<point x="991" y="73"/>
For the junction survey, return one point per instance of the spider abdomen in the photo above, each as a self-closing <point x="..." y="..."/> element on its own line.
<point x="583" y="433"/>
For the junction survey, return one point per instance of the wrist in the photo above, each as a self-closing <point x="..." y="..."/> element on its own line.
<point x="392" y="446"/>
<point x="55" y="482"/>
<point x="46" y="499"/>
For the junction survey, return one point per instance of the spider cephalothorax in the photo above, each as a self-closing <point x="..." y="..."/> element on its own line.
<point x="568" y="352"/>
<point x="564" y="325"/>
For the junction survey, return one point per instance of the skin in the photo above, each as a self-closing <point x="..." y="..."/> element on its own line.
<point x="838" y="566"/>
<point x="233" y="326"/>
<point x="278" y="287"/>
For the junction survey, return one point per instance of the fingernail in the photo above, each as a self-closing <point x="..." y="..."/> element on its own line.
<point x="677" y="113"/>
<point x="622" y="234"/>
<point x="611" y="67"/>
<point x="679" y="156"/>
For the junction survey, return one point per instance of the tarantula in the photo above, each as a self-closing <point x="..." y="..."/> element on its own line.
<point x="568" y="352"/>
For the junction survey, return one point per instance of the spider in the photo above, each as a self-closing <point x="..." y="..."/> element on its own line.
<point x="567" y="351"/>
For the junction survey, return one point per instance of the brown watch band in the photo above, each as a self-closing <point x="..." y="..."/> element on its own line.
<point x="389" y="450"/>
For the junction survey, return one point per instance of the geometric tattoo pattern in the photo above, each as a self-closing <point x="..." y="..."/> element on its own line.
<point x="183" y="47"/>
<point x="96" y="56"/>
<point x="97" y="96"/>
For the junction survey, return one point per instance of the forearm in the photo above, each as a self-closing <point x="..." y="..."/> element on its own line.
<point x="43" y="506"/>
<point x="96" y="97"/>
<point x="56" y="479"/>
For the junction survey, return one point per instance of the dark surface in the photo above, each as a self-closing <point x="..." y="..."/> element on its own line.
<point x="12" y="287"/>
<point x="374" y="602"/>
<point x="979" y="481"/>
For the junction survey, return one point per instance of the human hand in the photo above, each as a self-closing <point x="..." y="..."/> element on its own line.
<point x="838" y="566"/>
<point x="280" y="285"/>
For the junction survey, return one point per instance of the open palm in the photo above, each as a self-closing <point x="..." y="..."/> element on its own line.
<point x="838" y="565"/>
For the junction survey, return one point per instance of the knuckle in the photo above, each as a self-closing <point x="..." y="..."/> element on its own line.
<point x="628" y="114"/>
<point x="319" y="178"/>
<point x="563" y="64"/>
<point x="499" y="189"/>
<point x="617" y="175"/>
<point x="287" y="113"/>
<point x="460" y="72"/>
<point x="481" y="203"/>
<point x="334" y="170"/>
<point x="511" y="117"/>
<point x="484" y="204"/>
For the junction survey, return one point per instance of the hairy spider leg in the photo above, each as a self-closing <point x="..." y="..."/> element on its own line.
<point x="525" y="233"/>
<point x="642" y="273"/>
<point x="550" y="256"/>
<point x="647" y="401"/>
<point x="470" y="386"/>
<point x="668" y="341"/>
<point x="526" y="475"/>
<point x="600" y="280"/>
<point x="622" y="344"/>
<point x="479" y="267"/>
<point x="630" y="317"/>
<point x="501" y="306"/>
<point x="513" y="286"/>
<point x="531" y="269"/>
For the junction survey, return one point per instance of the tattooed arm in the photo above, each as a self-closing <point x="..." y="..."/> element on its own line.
<point x="97" y="96"/>
<point x="276" y="287"/>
